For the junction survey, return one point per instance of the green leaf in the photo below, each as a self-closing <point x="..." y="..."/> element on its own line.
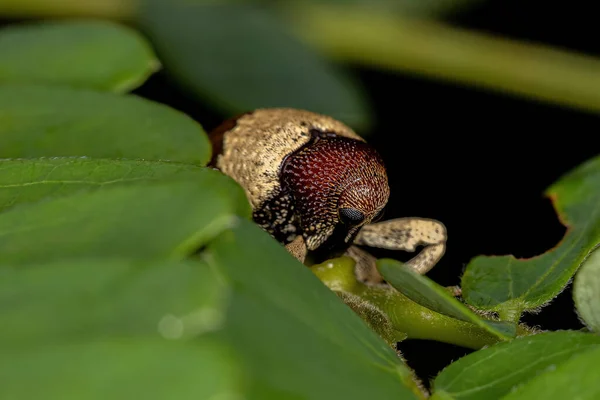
<point x="92" y="299"/>
<point x="426" y="292"/>
<point x="120" y="369"/>
<point x="494" y="372"/>
<point x="286" y="324"/>
<point x="240" y="57"/>
<point x="47" y="121"/>
<point x="89" y="54"/>
<point x="98" y="329"/>
<point x="26" y="181"/>
<point x="142" y="221"/>
<point x="586" y="291"/>
<point x="576" y="378"/>
<point x="510" y="286"/>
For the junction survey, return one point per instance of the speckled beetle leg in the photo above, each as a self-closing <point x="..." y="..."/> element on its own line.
<point x="297" y="248"/>
<point x="406" y="234"/>
<point x="366" y="266"/>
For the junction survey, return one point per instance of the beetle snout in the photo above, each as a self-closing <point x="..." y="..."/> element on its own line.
<point x="363" y="200"/>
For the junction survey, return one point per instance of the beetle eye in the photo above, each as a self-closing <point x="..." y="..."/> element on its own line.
<point x="351" y="216"/>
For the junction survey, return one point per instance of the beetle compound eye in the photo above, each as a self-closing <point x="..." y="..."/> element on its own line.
<point x="351" y="216"/>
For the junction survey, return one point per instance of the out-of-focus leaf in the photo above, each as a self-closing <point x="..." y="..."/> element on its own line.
<point x="89" y="54"/>
<point x="426" y="292"/>
<point x="142" y="221"/>
<point x="29" y="180"/>
<point x="510" y="286"/>
<point x="121" y="368"/>
<point x="493" y="372"/>
<point x="51" y="121"/>
<point x="91" y="299"/>
<point x="286" y="324"/>
<point x="586" y="291"/>
<point x="240" y="57"/>
<point x="114" y="329"/>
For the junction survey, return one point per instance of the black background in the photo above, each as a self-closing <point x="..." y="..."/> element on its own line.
<point x="476" y="160"/>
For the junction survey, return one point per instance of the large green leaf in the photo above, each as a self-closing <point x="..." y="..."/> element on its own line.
<point x="426" y="292"/>
<point x="91" y="54"/>
<point x="510" y="286"/>
<point x="91" y="299"/>
<point x="28" y="180"/>
<point x="144" y="221"/>
<point x="47" y="121"/>
<point x="98" y="329"/>
<point x="586" y="291"/>
<point x="297" y="339"/>
<point x="240" y="57"/>
<point x="576" y="378"/>
<point x="122" y="368"/>
<point x="493" y="372"/>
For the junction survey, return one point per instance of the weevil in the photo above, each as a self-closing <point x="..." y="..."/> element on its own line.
<point x="319" y="188"/>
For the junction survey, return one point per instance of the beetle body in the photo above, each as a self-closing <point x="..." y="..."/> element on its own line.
<point x="315" y="185"/>
<point x="304" y="174"/>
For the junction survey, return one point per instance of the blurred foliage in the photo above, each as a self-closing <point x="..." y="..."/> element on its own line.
<point x="129" y="268"/>
<point x="127" y="126"/>
<point x="100" y="55"/>
<point x="242" y="57"/>
<point x="245" y="54"/>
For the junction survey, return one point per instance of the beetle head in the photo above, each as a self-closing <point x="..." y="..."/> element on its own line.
<point x="338" y="185"/>
<point x="362" y="202"/>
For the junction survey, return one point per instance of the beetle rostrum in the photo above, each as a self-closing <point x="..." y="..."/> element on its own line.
<point x="304" y="173"/>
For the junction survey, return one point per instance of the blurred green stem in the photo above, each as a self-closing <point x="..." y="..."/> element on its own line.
<point x="435" y="50"/>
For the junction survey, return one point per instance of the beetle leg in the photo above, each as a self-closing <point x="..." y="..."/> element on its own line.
<point x="297" y="248"/>
<point x="406" y="234"/>
<point x="366" y="270"/>
<point x="366" y="267"/>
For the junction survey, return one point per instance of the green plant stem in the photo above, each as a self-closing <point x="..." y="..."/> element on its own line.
<point x="443" y="52"/>
<point x="419" y="322"/>
<point x="511" y="311"/>
<point x="407" y="318"/>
